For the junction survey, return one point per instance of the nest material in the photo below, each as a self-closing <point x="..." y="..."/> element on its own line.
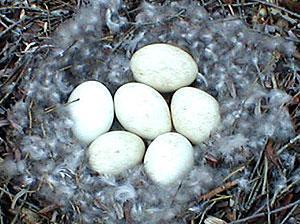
<point x="247" y="172"/>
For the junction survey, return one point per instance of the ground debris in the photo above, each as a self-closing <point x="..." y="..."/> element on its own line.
<point x="270" y="192"/>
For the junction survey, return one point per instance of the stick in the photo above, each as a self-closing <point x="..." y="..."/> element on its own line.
<point x="244" y="220"/>
<point x="217" y="190"/>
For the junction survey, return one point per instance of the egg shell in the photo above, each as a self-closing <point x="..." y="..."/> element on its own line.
<point x="168" y="158"/>
<point x="115" y="152"/>
<point x="195" y="113"/>
<point x="91" y="109"/>
<point x="142" y="110"/>
<point x="164" y="67"/>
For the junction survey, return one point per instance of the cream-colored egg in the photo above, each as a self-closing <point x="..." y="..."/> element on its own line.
<point x="164" y="67"/>
<point x="91" y="109"/>
<point x="195" y="113"/>
<point x="169" y="158"/>
<point x="142" y="110"/>
<point x="115" y="152"/>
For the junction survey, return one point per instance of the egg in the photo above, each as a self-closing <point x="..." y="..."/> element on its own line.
<point x="168" y="158"/>
<point x="91" y="109"/>
<point x="142" y="110"/>
<point x="164" y="67"/>
<point x="195" y="113"/>
<point x="115" y="152"/>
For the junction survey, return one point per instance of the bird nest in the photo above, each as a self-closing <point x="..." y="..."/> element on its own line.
<point x="247" y="55"/>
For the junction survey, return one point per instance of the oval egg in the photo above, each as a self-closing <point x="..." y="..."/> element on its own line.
<point x="142" y="110"/>
<point x="115" y="152"/>
<point x="91" y="108"/>
<point x="169" y="158"/>
<point x="163" y="67"/>
<point x="195" y="113"/>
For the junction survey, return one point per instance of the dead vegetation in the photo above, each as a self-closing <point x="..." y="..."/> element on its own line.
<point x="24" y="28"/>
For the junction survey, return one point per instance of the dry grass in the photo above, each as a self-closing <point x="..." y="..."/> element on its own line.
<point x="25" y="27"/>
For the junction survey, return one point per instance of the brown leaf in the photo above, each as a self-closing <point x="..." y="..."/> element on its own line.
<point x="291" y="5"/>
<point x="286" y="201"/>
<point x="271" y="153"/>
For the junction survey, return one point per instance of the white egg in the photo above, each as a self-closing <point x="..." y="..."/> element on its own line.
<point x="195" y="113"/>
<point x="91" y="109"/>
<point x="164" y="67"/>
<point x="115" y="152"/>
<point x="142" y="110"/>
<point x="169" y="158"/>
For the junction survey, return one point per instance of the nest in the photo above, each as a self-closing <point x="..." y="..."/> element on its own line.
<point x="247" y="172"/>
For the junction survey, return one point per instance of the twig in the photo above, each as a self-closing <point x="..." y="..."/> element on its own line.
<point x="265" y="181"/>
<point x="240" y="9"/>
<point x="176" y="193"/>
<point x="291" y="142"/>
<point x="55" y="107"/>
<point x="65" y="50"/>
<point x="4" y="122"/>
<point x="11" y="27"/>
<point x="11" y="196"/>
<point x="17" y="196"/>
<point x="278" y="7"/>
<point x="254" y="192"/>
<point x="7" y="19"/>
<point x="234" y="172"/>
<point x="289" y="214"/>
<point x="242" y="4"/>
<point x="22" y="7"/>
<point x="244" y="220"/>
<point x="222" y="197"/>
<point x="259" y="209"/>
<point x="205" y="211"/>
<point x="1" y="217"/>
<point x="257" y="164"/>
<point x="222" y="6"/>
<point x="48" y="20"/>
<point x="30" y="117"/>
<point x="217" y="190"/>
<point x="16" y="218"/>
<point x="278" y="194"/>
<point x="268" y="206"/>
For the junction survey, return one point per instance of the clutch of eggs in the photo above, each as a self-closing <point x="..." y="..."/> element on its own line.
<point x="144" y="114"/>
